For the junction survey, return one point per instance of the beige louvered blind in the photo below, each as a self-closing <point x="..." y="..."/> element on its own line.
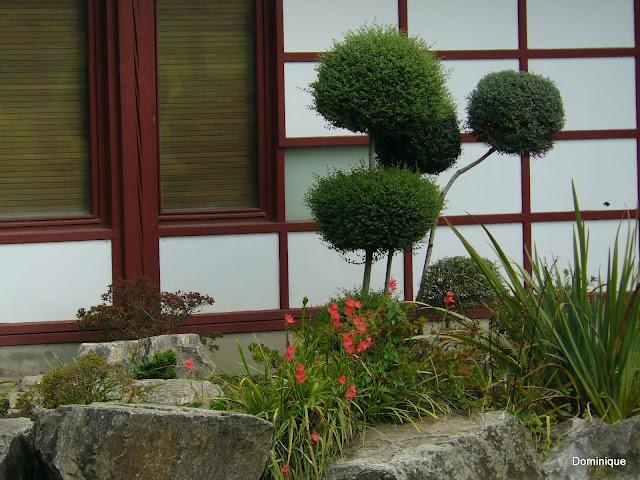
<point x="207" y="104"/>
<point x="44" y="153"/>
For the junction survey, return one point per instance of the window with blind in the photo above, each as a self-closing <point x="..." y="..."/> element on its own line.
<point x="207" y="104"/>
<point x="44" y="151"/>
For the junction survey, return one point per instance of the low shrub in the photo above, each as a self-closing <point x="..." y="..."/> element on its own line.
<point x="162" y="365"/>
<point x="134" y="309"/>
<point x="89" y="379"/>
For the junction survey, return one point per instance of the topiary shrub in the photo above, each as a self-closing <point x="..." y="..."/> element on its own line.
<point x="161" y="365"/>
<point x="516" y="112"/>
<point x="378" y="80"/>
<point x="380" y="210"/>
<point x="459" y="274"/>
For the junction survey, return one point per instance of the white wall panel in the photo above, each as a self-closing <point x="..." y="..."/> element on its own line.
<point x="317" y="272"/>
<point x="51" y="281"/>
<point x="465" y="24"/>
<point x="464" y="76"/>
<point x="598" y="93"/>
<point x="301" y="164"/>
<point x="602" y="170"/>
<point x="311" y="26"/>
<point x="554" y="240"/>
<point x="447" y="244"/>
<point x="239" y="271"/>
<point x="491" y="187"/>
<point x="580" y="24"/>
<point x="301" y="119"/>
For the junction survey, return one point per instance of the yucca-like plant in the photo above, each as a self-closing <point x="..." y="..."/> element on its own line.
<point x="589" y="336"/>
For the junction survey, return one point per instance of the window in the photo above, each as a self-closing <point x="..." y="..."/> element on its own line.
<point x="44" y="152"/>
<point x="207" y="105"/>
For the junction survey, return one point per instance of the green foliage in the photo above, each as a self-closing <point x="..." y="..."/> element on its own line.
<point x="136" y="308"/>
<point x="378" y="80"/>
<point x="516" y="112"/>
<point x="161" y="365"/>
<point x="428" y="145"/>
<point x="576" y="335"/>
<point x="381" y="210"/>
<point x="90" y="379"/>
<point x="460" y="275"/>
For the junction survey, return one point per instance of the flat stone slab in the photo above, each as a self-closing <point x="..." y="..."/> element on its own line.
<point x="125" y="442"/>
<point x="492" y="446"/>
<point x="178" y="391"/>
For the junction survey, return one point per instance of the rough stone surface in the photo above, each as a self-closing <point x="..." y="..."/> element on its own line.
<point x="186" y="346"/>
<point x="492" y="446"/>
<point x="124" y="442"/>
<point x="585" y="439"/>
<point x="16" y="462"/>
<point x="24" y="384"/>
<point x="178" y="391"/>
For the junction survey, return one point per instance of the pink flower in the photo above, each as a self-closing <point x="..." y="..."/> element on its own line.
<point x="315" y="438"/>
<point x="285" y="470"/>
<point x="393" y="285"/>
<point x="348" y="310"/>
<point x="188" y="365"/>
<point x="350" y="302"/>
<point x="288" y="320"/>
<point x="290" y="353"/>
<point x="360" y="323"/>
<point x="342" y="379"/>
<point x="300" y="376"/>
<point x="364" y="344"/>
<point x="352" y="391"/>
<point x="347" y="343"/>
<point x="336" y="323"/>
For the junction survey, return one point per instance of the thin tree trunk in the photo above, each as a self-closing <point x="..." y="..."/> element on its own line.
<point x="432" y="232"/>
<point x="366" y="278"/>
<point x="372" y="155"/>
<point x="387" y="275"/>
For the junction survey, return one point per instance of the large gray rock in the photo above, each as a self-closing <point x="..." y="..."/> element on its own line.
<point x="492" y="446"/>
<point x="124" y="442"/>
<point x="596" y="441"/>
<point x="178" y="391"/>
<point x="186" y="346"/>
<point x="16" y="461"/>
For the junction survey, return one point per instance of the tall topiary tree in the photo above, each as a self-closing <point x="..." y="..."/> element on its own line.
<point x="378" y="211"/>
<point x="513" y="113"/>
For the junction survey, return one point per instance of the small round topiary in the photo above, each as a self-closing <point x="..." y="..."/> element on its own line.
<point x="379" y="210"/>
<point x="377" y="80"/>
<point x="516" y="112"/>
<point x="429" y="146"/>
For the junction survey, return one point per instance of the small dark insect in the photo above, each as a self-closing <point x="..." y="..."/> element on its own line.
<point x="606" y="204"/>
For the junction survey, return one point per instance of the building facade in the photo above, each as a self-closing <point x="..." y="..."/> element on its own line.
<point x="174" y="139"/>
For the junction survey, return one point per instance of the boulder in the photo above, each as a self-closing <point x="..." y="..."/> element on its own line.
<point x="594" y="449"/>
<point x="492" y="446"/>
<point x="126" y="352"/>
<point x="16" y="460"/>
<point x="123" y="442"/>
<point x="178" y="391"/>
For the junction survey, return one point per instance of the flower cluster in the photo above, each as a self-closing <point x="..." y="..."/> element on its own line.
<point x="354" y="329"/>
<point x="449" y="299"/>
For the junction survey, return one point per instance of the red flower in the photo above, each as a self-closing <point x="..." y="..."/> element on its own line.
<point x="315" y="438"/>
<point x="285" y="470"/>
<point x="351" y="303"/>
<point x="449" y="300"/>
<point x="342" y="379"/>
<point x="289" y="354"/>
<point x="360" y="323"/>
<point x="300" y="376"/>
<point x="352" y="391"/>
<point x="188" y="365"/>
<point x="347" y="342"/>
<point x="348" y="310"/>
<point x="393" y="285"/>
<point x="288" y="320"/>
<point x="336" y="323"/>
<point x="364" y="344"/>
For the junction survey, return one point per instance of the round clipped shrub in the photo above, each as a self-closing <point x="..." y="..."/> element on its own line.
<point x="429" y="146"/>
<point x="516" y="112"/>
<point x="377" y="210"/>
<point x="377" y="80"/>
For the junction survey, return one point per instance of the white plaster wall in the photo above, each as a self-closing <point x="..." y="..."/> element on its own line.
<point x="301" y="119"/>
<point x="447" y="244"/>
<point x="239" y="271"/>
<point x="580" y="24"/>
<point x="602" y="170"/>
<point x="554" y="240"/>
<point x="491" y="187"/>
<point x="317" y="272"/>
<point x="464" y="75"/>
<point x="311" y="26"/>
<point x="50" y="281"/>
<point x="598" y="93"/>
<point x="465" y="24"/>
